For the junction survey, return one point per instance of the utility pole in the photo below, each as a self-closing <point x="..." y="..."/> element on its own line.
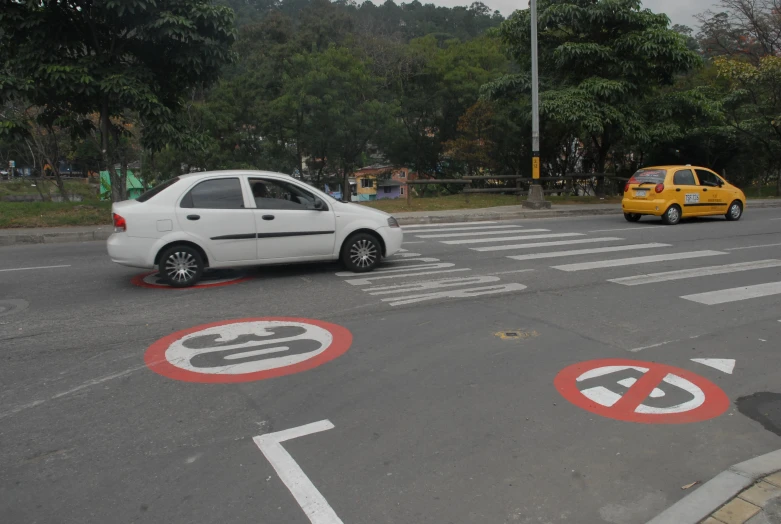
<point x="536" y="199"/>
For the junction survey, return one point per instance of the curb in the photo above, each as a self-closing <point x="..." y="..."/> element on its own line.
<point x="719" y="490"/>
<point x="475" y="217"/>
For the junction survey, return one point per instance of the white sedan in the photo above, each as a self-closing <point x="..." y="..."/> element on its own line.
<point x="245" y="218"/>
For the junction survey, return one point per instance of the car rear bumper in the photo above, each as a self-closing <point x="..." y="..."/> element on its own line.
<point x="131" y="251"/>
<point x="393" y="237"/>
<point x="644" y="207"/>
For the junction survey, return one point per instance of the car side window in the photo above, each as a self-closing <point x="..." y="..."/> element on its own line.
<point x="684" y="177"/>
<point x="707" y="178"/>
<point x="276" y="194"/>
<point x="220" y="193"/>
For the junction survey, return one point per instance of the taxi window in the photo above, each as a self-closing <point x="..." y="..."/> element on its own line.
<point x="684" y="177"/>
<point x="649" y="176"/>
<point x="707" y="178"/>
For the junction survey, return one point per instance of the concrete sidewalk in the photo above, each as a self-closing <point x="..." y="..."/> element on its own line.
<point x="52" y="235"/>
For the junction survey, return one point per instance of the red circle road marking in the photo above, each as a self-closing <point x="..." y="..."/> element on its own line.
<point x="156" y="359"/>
<point x="138" y="280"/>
<point x="714" y="404"/>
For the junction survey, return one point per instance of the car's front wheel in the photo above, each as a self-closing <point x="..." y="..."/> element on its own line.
<point x="632" y="217"/>
<point x="735" y="211"/>
<point x="181" y="266"/>
<point x="672" y="216"/>
<point x="361" y="253"/>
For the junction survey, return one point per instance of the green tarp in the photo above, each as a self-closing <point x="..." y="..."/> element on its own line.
<point x="134" y="186"/>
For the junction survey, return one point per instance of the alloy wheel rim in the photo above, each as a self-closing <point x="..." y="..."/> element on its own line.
<point x="181" y="267"/>
<point x="735" y="211"/>
<point x="672" y="214"/>
<point x="363" y="253"/>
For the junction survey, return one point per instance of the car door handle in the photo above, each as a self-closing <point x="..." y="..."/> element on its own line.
<point x="193" y="217"/>
<point x="268" y="217"/>
<point x="704" y="188"/>
<point x="677" y="188"/>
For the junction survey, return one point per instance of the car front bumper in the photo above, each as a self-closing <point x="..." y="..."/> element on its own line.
<point x="393" y="237"/>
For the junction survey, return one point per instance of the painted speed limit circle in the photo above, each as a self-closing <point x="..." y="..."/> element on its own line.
<point x="642" y="392"/>
<point x="211" y="278"/>
<point x="246" y="350"/>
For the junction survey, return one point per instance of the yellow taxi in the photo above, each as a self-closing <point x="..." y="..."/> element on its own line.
<point x="675" y="192"/>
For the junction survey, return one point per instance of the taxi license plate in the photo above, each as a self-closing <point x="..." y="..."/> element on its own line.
<point x="641" y="192"/>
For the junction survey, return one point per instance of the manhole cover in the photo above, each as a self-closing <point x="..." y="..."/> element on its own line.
<point x="8" y="307"/>
<point x="516" y="334"/>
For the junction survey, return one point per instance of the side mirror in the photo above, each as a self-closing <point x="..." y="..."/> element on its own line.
<point x="721" y="183"/>
<point x="319" y="205"/>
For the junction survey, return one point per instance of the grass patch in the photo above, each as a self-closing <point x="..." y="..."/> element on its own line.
<point x="760" y="192"/>
<point x="54" y="214"/>
<point x="26" y="187"/>
<point x="443" y="203"/>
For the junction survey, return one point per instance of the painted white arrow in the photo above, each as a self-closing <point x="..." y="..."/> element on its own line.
<point x="727" y="365"/>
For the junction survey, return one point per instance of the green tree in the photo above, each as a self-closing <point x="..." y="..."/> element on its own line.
<point x="106" y="58"/>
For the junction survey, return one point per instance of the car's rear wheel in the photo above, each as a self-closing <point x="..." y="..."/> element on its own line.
<point x="361" y="253"/>
<point x="181" y="266"/>
<point x="632" y="217"/>
<point x="735" y="211"/>
<point x="672" y="216"/>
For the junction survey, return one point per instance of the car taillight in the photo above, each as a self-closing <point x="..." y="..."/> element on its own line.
<point x="626" y="187"/>
<point x="119" y="224"/>
<point x="633" y="180"/>
<point x="659" y="188"/>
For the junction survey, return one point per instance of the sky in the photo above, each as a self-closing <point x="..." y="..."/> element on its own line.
<point x="679" y="11"/>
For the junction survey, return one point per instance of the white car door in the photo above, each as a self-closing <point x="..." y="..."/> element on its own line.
<point x="291" y="221"/>
<point x="215" y="214"/>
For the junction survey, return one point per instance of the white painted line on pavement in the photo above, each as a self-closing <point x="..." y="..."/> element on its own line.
<point x="481" y="233"/>
<point x="635" y="350"/>
<point x="751" y="247"/>
<point x="394" y="269"/>
<point x="306" y="494"/>
<point x="518" y="271"/>
<point x="456" y="293"/>
<point x="368" y="280"/>
<point x="653" y="278"/>
<point x="430" y="284"/>
<point x="28" y="268"/>
<point x="418" y="242"/>
<point x="505" y="239"/>
<point x="637" y="260"/>
<point x="575" y="252"/>
<point x="446" y="224"/>
<point x="775" y="219"/>
<point x="545" y="244"/>
<point x="735" y="294"/>
<point x="473" y="229"/>
<point x="619" y="229"/>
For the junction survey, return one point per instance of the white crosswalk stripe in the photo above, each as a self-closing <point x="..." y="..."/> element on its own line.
<point x="506" y="239"/>
<point x="447" y="224"/>
<point x="653" y="278"/>
<point x="735" y="294"/>
<point x="637" y="260"/>
<point x="575" y="252"/>
<point x="529" y="245"/>
<point x="481" y="233"/>
<point x="449" y="229"/>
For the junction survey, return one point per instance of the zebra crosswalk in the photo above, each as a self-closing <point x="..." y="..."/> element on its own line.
<point x="526" y="245"/>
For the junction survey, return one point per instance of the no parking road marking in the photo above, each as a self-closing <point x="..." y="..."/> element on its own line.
<point x="246" y="350"/>
<point x="642" y="392"/>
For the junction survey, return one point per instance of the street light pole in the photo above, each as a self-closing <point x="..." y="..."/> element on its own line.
<point x="536" y="199"/>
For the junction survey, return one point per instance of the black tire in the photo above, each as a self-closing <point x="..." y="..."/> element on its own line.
<point x="181" y="266"/>
<point x="672" y="216"/>
<point x="735" y="211"/>
<point x="361" y="253"/>
<point x="632" y="217"/>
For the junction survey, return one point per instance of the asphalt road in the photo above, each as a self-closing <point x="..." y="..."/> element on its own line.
<point x="436" y="419"/>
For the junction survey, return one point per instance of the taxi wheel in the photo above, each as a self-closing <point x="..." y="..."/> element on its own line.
<point x="735" y="211"/>
<point x="632" y="217"/>
<point x="672" y="216"/>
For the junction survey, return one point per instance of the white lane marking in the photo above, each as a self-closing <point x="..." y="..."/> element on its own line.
<point x="727" y="365"/>
<point x="619" y="229"/>
<point x="368" y="280"/>
<point x="575" y="252"/>
<point x="504" y="239"/>
<point x="306" y="494"/>
<point x="401" y="261"/>
<point x="775" y="219"/>
<point x="446" y="224"/>
<point x="420" y="242"/>
<point x="481" y="233"/>
<point x="653" y="278"/>
<point x="29" y="268"/>
<point x="735" y="294"/>
<point x="545" y="244"/>
<point x="430" y="284"/>
<point x="751" y="247"/>
<point x="637" y="260"/>
<point x="406" y="254"/>
<point x="457" y="293"/>
<point x="509" y="272"/>
<point x="635" y="350"/>
<point x="415" y="267"/>
<point x="465" y="230"/>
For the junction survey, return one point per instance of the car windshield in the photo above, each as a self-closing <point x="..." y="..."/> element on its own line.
<point x="648" y="176"/>
<point x="157" y="189"/>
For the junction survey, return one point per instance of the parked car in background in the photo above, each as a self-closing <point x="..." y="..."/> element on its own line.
<point x="245" y="218"/>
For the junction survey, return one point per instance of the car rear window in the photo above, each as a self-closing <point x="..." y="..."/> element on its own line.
<point x="652" y="176"/>
<point x="157" y="189"/>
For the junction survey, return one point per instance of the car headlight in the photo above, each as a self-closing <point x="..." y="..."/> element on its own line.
<point x="392" y="222"/>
